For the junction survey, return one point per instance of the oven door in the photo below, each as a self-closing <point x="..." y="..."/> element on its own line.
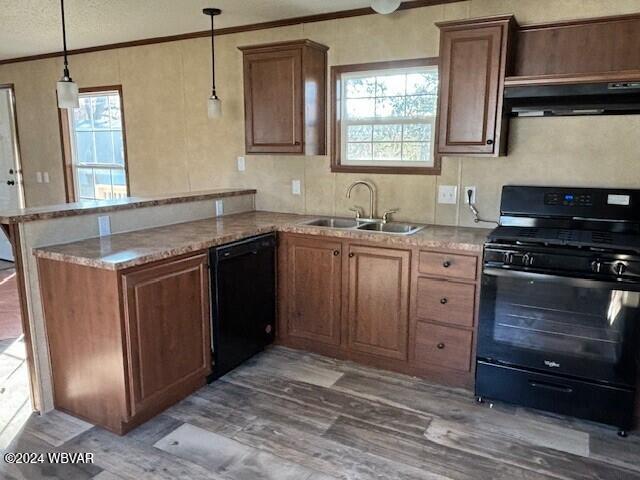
<point x="578" y="327"/>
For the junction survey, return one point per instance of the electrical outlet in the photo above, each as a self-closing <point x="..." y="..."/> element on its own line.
<point x="104" y="225"/>
<point x="473" y="195"/>
<point x="45" y="177"/>
<point x="219" y="208"/>
<point x="39" y="177"/>
<point x="241" y="164"/>
<point x="448" y="194"/>
<point x="296" y="188"/>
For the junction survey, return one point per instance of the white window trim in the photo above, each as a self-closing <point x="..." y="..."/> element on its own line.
<point x="93" y="166"/>
<point x="345" y="122"/>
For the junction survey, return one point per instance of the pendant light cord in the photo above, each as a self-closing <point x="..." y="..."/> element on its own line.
<point x="64" y="43"/>
<point x="213" y="61"/>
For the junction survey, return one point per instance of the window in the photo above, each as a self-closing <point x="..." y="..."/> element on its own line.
<point x="95" y="155"/>
<point x="385" y="117"/>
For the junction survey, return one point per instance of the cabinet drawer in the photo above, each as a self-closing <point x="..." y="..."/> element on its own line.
<point x="443" y="346"/>
<point x="448" y="265"/>
<point x="446" y="302"/>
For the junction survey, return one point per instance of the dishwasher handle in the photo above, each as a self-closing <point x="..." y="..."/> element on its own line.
<point x="250" y="246"/>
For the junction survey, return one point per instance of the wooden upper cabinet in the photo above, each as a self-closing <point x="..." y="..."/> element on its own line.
<point x="473" y="64"/>
<point x="167" y="322"/>
<point x="378" y="301"/>
<point x="285" y="98"/>
<point x="314" y="290"/>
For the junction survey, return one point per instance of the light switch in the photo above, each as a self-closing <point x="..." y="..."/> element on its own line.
<point x="45" y="177"/>
<point x="448" y="194"/>
<point x="296" y="188"/>
<point x="39" y="177"/>
<point x="219" y="208"/>
<point x="241" y="164"/>
<point x="104" y="225"/>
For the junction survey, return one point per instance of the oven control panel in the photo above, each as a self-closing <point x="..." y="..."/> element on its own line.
<point x="568" y="199"/>
<point x="590" y="264"/>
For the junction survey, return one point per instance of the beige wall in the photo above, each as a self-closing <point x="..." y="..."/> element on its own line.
<point x="173" y="147"/>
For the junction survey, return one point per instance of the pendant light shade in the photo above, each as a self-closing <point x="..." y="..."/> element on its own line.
<point x="66" y="88"/>
<point x="68" y="96"/>
<point x="214" y="107"/>
<point x="385" y="7"/>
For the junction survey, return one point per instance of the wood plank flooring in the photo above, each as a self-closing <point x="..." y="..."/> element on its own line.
<point x="289" y="415"/>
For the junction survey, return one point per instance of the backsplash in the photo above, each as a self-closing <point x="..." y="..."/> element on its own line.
<point x="173" y="147"/>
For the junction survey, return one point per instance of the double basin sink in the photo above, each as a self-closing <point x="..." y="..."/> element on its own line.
<point x="394" y="228"/>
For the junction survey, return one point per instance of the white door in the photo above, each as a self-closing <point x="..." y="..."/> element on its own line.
<point x="11" y="196"/>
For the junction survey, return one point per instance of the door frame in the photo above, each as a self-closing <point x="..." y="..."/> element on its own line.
<point x="13" y="234"/>
<point x="16" y="139"/>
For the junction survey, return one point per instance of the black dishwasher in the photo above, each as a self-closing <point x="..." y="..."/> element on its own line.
<point x="243" y="297"/>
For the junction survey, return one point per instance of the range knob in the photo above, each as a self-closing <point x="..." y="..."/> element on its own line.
<point x="619" y="268"/>
<point x="527" y="260"/>
<point x="507" y="258"/>
<point x="596" y="266"/>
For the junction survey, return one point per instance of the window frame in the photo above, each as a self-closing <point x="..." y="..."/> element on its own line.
<point x="69" y="168"/>
<point x="337" y="72"/>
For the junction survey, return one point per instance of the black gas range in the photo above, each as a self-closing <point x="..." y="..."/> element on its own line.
<point x="559" y="324"/>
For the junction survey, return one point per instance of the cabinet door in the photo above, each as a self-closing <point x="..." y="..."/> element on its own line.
<point x="273" y="101"/>
<point x="378" y="301"/>
<point x="168" y="324"/>
<point x="470" y="81"/>
<point x="314" y="286"/>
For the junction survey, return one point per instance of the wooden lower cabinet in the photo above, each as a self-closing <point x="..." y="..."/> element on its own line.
<point x="314" y="290"/>
<point x="125" y="345"/>
<point x="392" y="316"/>
<point x="378" y="301"/>
<point x="444" y="316"/>
<point x="440" y="346"/>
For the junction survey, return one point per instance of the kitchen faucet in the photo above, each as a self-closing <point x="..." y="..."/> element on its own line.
<point x="372" y="195"/>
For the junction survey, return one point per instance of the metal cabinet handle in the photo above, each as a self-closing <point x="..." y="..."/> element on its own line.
<point x="444" y="301"/>
<point x="351" y="255"/>
<point x="440" y="346"/>
<point x="489" y="142"/>
<point x="446" y="264"/>
<point x="336" y="253"/>
<point x="11" y="182"/>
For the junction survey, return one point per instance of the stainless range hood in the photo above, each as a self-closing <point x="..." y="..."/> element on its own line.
<point x="621" y="98"/>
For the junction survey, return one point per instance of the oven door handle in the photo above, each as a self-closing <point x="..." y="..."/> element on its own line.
<point x="571" y="281"/>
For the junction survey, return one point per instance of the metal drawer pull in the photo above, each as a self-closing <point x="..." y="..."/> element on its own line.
<point x="336" y="253"/>
<point x="351" y="255"/>
<point x="551" y="386"/>
<point x="443" y="301"/>
<point x="446" y="264"/>
<point x="440" y="346"/>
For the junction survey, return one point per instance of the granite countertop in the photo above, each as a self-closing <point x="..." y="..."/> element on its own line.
<point x="125" y="250"/>
<point x="103" y="206"/>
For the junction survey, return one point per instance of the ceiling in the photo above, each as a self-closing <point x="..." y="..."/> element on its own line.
<point x="31" y="27"/>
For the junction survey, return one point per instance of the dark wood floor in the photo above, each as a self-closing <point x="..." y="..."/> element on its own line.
<point x="290" y="415"/>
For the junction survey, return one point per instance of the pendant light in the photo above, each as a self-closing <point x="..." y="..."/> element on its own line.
<point x="215" y="105"/>
<point x="66" y="88"/>
<point x="385" y="7"/>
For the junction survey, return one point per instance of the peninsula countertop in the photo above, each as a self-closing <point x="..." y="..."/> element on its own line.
<point x="126" y="250"/>
<point x="103" y="206"/>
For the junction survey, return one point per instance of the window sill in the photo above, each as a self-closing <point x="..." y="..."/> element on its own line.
<point x="435" y="170"/>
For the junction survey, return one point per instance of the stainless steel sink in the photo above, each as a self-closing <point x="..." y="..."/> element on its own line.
<point x="333" y="223"/>
<point x="396" y="228"/>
